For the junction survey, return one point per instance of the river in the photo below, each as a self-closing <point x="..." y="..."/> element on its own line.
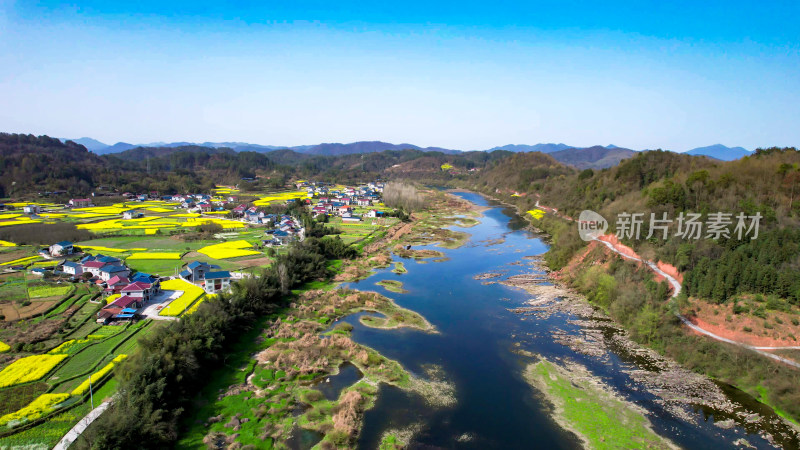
<point x="478" y="350"/>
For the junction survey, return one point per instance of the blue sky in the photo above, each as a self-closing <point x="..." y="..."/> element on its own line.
<point x="466" y="75"/>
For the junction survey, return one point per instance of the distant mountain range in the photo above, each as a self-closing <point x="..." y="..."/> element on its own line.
<point x="720" y="151"/>
<point x="544" y="148"/>
<point x="595" y="157"/>
<point x="325" y="149"/>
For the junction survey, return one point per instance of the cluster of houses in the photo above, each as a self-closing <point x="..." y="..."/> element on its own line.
<point x="132" y="291"/>
<point x="285" y="229"/>
<point x="340" y="203"/>
<point x="192" y="202"/>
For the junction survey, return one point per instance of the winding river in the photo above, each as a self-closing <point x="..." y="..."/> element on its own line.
<point x="481" y="348"/>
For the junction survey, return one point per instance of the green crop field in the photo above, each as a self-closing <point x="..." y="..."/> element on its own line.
<point x="87" y="359"/>
<point x="42" y="291"/>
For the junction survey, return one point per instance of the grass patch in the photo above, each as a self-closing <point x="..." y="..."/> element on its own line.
<point x="392" y="286"/>
<point x="399" y="267"/>
<point x="584" y="406"/>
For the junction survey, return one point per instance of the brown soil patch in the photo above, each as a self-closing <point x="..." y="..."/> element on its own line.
<point x="720" y="320"/>
<point x="255" y="262"/>
<point x="33" y="332"/>
<point x="8" y="310"/>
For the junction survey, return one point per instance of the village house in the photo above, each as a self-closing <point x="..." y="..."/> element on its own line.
<point x="146" y="278"/>
<point x="109" y="271"/>
<point x="108" y="312"/>
<point x="101" y="258"/>
<point x="277" y="238"/>
<point x="239" y="210"/>
<point x="93" y="267"/>
<point x="61" y="248"/>
<point x="72" y="268"/>
<point x="132" y="214"/>
<point x="115" y="284"/>
<point x="139" y="290"/>
<point x="31" y="209"/>
<point x="219" y="281"/>
<point x="80" y="203"/>
<point x="195" y="271"/>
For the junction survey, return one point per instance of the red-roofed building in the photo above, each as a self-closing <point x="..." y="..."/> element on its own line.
<point x="138" y="290"/>
<point x="127" y="301"/>
<point x="108" y="312"/>
<point x="115" y="284"/>
<point x="93" y="267"/>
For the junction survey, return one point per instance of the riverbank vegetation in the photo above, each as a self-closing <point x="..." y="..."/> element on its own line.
<point x="275" y="397"/>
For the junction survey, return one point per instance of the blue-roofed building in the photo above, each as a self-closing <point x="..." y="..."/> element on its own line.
<point x="108" y="259"/>
<point x="109" y="270"/>
<point x="144" y="278"/>
<point x="72" y="268"/>
<point x="196" y="270"/>
<point x="218" y="281"/>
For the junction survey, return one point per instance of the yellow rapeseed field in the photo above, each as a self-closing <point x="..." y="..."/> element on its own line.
<point x="37" y="408"/>
<point x="179" y="305"/>
<point x="155" y="255"/>
<point x="29" y="368"/>
<point x="233" y="249"/>
<point x="20" y="261"/>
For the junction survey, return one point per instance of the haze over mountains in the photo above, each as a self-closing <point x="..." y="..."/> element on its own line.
<point x="594" y="157"/>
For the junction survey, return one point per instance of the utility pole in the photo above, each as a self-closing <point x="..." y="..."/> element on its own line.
<point x="91" y="394"/>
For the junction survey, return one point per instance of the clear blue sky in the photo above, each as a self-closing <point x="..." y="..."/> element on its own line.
<point x="466" y="75"/>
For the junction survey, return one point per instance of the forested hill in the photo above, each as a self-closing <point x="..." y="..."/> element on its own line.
<point x="42" y="164"/>
<point x="28" y="162"/>
<point x="32" y="165"/>
<point x="766" y="183"/>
